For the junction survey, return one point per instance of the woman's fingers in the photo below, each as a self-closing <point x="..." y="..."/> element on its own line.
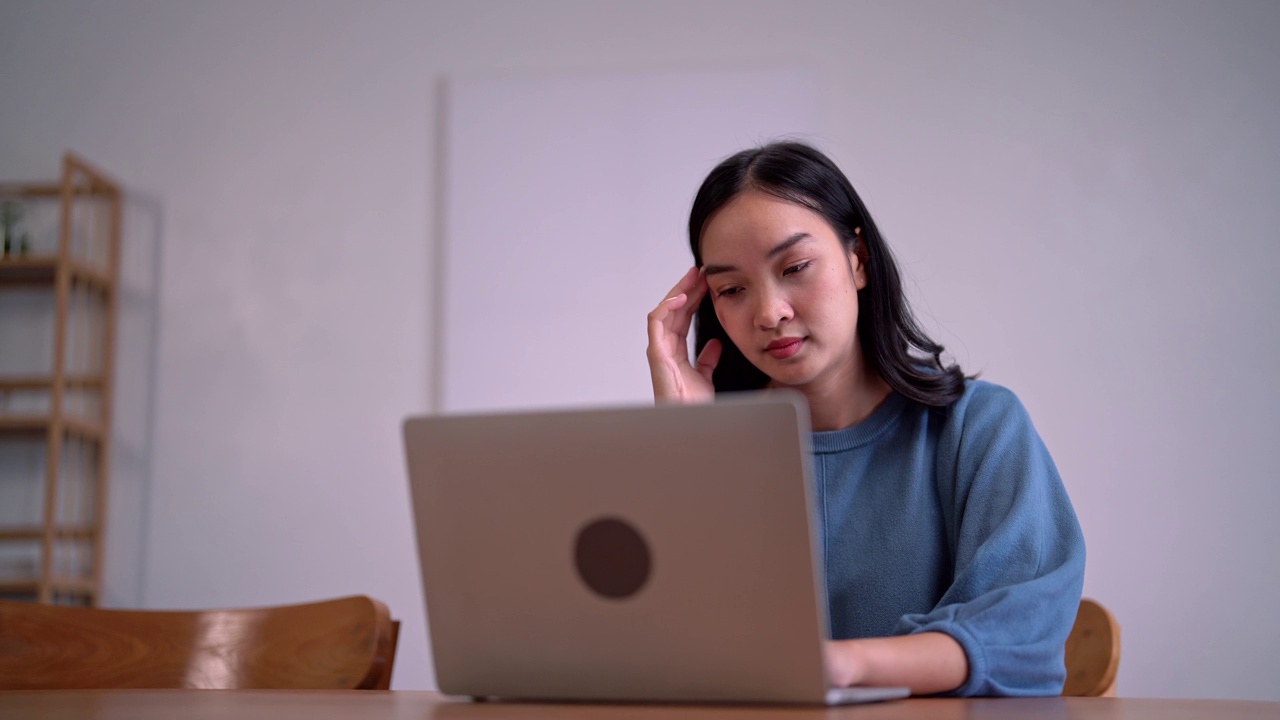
<point x="690" y="308"/>
<point x="709" y="358"/>
<point x="685" y="284"/>
<point x="658" y="317"/>
<point x="674" y="314"/>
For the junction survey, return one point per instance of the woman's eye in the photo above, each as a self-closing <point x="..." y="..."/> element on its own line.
<point x="728" y="292"/>
<point x="797" y="268"/>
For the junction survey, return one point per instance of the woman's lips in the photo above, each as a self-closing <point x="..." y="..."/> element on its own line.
<point x="784" y="348"/>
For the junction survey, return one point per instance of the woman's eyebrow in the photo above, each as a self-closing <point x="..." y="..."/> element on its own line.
<point x="787" y="244"/>
<point x="791" y="241"/>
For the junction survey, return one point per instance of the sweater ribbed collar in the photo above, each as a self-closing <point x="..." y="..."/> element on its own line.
<point x="866" y="432"/>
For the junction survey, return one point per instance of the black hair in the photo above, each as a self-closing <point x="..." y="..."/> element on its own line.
<point x="893" y="343"/>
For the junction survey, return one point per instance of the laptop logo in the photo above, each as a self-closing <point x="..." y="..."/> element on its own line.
<point x="612" y="558"/>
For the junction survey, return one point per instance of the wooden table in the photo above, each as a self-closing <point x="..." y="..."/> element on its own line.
<point x="373" y="705"/>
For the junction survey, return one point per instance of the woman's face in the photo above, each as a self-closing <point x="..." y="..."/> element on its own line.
<point x="785" y="289"/>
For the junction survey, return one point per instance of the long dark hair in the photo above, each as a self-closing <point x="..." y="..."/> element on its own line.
<point x="892" y="341"/>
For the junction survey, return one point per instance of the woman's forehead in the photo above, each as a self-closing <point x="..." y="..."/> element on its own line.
<point x="755" y="223"/>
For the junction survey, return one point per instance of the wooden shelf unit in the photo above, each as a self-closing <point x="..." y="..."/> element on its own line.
<point x="82" y="275"/>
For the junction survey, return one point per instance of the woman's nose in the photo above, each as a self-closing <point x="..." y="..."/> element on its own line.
<point x="772" y="310"/>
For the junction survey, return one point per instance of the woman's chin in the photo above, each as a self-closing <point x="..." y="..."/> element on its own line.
<point x="792" y="377"/>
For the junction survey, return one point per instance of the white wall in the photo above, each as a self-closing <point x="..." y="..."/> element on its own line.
<point x="1080" y="192"/>
<point x="585" y="265"/>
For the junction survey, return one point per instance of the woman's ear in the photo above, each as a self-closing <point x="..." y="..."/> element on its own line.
<point x="859" y="244"/>
<point x="858" y="259"/>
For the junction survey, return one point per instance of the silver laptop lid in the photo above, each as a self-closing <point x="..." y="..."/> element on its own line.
<point x="643" y="553"/>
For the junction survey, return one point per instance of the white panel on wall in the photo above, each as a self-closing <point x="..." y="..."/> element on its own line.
<point x="567" y="202"/>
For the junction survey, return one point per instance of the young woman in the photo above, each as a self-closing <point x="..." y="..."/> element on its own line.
<point x="954" y="560"/>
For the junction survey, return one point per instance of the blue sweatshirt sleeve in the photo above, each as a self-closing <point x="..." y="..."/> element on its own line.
<point x="1018" y="549"/>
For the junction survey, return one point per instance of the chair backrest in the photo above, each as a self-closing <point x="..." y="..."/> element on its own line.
<point x="1092" y="652"/>
<point x="333" y="644"/>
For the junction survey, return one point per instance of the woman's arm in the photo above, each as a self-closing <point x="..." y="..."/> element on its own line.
<point x="1018" y="551"/>
<point x="927" y="662"/>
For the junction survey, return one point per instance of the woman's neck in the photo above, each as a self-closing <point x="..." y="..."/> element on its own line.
<point x="846" y="398"/>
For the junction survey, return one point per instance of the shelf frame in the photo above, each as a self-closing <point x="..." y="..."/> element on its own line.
<point x="70" y="278"/>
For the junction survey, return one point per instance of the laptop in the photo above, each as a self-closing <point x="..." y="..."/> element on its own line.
<point x="659" y="553"/>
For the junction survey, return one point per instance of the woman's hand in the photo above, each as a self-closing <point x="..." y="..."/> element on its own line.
<point x="928" y="662"/>
<point x="844" y="665"/>
<point x="674" y="378"/>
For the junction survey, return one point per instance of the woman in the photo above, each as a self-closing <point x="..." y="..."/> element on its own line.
<point x="954" y="560"/>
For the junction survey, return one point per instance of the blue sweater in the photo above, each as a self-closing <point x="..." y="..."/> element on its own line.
<point x="953" y="520"/>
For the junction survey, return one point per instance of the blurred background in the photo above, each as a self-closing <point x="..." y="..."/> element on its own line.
<point x="1081" y="195"/>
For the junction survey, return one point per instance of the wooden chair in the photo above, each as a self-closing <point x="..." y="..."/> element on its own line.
<point x="346" y="643"/>
<point x="1093" y="652"/>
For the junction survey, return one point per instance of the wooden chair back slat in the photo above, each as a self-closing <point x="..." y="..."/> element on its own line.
<point x="334" y="644"/>
<point x="1092" y="652"/>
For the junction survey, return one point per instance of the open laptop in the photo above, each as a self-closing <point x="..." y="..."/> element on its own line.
<point x="624" y="554"/>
